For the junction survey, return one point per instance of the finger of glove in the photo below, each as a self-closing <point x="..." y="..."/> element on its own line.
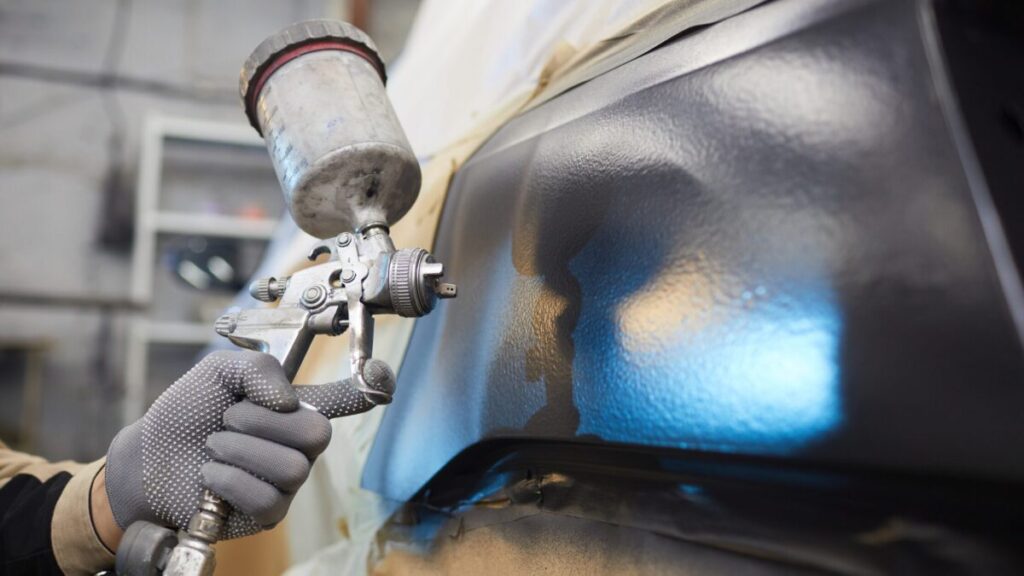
<point x="344" y="398"/>
<point x="251" y="496"/>
<point x="284" y="467"/>
<point x="334" y="400"/>
<point x="305" y="430"/>
<point x="256" y="376"/>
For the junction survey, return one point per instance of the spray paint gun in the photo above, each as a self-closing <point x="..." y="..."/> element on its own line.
<point x="315" y="92"/>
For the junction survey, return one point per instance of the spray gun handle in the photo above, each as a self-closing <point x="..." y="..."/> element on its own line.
<point x="150" y="550"/>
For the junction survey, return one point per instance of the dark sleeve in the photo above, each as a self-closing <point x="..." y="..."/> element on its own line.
<point x="26" y="513"/>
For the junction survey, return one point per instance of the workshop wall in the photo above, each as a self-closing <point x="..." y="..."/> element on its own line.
<point x="76" y="81"/>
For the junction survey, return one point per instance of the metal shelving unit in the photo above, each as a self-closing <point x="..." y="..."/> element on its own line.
<point x="151" y="222"/>
<point x="213" y="225"/>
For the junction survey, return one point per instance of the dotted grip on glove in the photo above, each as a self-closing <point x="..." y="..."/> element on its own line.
<point x="156" y="466"/>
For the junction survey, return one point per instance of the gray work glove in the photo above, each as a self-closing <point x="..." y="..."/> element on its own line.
<point x="233" y="424"/>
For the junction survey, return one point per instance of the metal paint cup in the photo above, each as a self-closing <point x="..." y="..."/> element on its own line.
<point x="315" y="91"/>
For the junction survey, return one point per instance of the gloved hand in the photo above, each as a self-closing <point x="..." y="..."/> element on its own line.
<point x="233" y="424"/>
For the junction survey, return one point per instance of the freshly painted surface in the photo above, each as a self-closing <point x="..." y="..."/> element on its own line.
<point x="764" y="249"/>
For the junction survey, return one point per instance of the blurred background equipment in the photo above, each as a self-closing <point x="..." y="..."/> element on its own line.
<point x="199" y="237"/>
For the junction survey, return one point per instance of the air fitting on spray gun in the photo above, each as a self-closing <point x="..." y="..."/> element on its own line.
<point x="315" y="92"/>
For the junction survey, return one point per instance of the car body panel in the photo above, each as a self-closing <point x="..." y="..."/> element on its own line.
<point x="725" y="247"/>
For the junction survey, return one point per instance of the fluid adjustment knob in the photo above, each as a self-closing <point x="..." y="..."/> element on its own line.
<point x="414" y="281"/>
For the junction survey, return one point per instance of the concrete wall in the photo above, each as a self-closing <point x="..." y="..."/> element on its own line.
<point x="68" y="155"/>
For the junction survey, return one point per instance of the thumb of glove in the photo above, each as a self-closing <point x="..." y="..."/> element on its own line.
<point x="343" y="398"/>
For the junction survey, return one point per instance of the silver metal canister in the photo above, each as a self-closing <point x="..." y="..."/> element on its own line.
<point x="315" y="91"/>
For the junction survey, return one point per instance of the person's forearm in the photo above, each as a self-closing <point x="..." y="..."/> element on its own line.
<point x="77" y="545"/>
<point x="27" y="505"/>
<point x="46" y="525"/>
<point x="102" y="516"/>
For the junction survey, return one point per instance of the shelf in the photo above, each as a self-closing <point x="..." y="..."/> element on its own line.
<point x="214" y="225"/>
<point x="208" y="131"/>
<point x="188" y="333"/>
<point x="150" y="222"/>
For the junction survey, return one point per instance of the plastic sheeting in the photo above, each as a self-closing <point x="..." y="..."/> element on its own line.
<point x="466" y="69"/>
